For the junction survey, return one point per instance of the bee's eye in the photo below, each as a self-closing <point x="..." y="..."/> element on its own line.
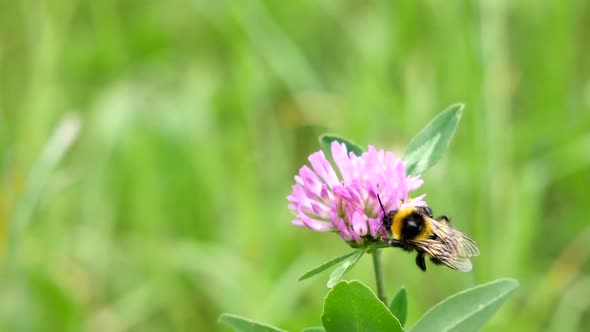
<point x="412" y="226"/>
<point x="428" y="211"/>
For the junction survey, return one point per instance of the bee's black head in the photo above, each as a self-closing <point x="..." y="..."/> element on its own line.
<point x="412" y="225"/>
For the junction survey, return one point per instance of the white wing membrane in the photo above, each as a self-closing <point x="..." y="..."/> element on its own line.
<point x="461" y="244"/>
<point x="451" y="247"/>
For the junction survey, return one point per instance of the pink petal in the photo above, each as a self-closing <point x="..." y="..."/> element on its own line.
<point x="323" y="202"/>
<point x="316" y="225"/>
<point x="359" y="225"/>
<point x="339" y="154"/>
<point x="297" y="222"/>
<point x="344" y="233"/>
<point x="322" y="167"/>
<point x="374" y="225"/>
<point x="325" y="194"/>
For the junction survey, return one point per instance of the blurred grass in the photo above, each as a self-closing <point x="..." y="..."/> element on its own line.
<point x="169" y="206"/>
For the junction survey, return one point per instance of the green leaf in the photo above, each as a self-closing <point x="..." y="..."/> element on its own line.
<point x="325" y="266"/>
<point x="468" y="310"/>
<point x="327" y="139"/>
<point x="313" y="329"/>
<point x="430" y="144"/>
<point x="399" y="306"/>
<point x="241" y="324"/>
<point x="353" y="307"/>
<point x="338" y="272"/>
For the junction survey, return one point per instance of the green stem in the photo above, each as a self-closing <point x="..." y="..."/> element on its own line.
<point x="379" y="276"/>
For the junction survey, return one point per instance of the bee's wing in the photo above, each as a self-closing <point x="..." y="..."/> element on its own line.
<point x="457" y="242"/>
<point x="441" y="252"/>
<point x="451" y="247"/>
<point x="460" y="264"/>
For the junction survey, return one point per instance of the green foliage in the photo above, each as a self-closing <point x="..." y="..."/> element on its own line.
<point x="169" y="207"/>
<point x="468" y="310"/>
<point x="430" y="144"/>
<point x="329" y="264"/>
<point x="353" y="307"/>
<point x="58" y="144"/>
<point x="399" y="306"/>
<point x="241" y="324"/>
<point x="348" y="264"/>
<point x="326" y="143"/>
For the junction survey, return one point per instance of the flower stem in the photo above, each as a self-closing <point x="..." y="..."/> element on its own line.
<point x="379" y="276"/>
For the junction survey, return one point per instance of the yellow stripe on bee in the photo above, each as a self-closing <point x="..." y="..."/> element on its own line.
<point x="398" y="222"/>
<point x="426" y="231"/>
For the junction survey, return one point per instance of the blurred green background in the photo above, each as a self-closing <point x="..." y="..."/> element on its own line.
<point x="147" y="150"/>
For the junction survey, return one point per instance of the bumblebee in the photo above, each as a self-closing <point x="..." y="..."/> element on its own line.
<point x="414" y="228"/>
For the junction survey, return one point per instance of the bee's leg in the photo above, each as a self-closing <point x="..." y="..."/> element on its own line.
<point x="444" y="219"/>
<point x="420" y="261"/>
<point x="399" y="244"/>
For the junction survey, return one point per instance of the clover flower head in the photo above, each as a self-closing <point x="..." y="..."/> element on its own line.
<point x="344" y="200"/>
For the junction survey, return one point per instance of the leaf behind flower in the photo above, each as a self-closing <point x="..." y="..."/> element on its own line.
<point x="430" y="144"/>
<point x="326" y="144"/>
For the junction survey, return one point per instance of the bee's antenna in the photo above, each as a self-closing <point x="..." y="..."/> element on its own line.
<point x="384" y="213"/>
<point x="382" y="208"/>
